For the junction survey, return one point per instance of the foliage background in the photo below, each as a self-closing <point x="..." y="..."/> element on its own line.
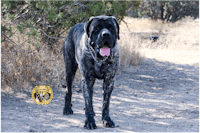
<point x="170" y="11"/>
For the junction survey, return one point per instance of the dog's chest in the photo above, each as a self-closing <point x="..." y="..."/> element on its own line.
<point x="103" y="69"/>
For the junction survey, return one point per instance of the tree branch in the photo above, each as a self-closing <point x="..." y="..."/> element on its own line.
<point x="51" y="36"/>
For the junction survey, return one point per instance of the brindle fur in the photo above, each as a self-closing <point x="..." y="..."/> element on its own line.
<point x="99" y="31"/>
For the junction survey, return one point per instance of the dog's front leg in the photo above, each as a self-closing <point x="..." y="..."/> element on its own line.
<point x="108" y="86"/>
<point x="88" y="94"/>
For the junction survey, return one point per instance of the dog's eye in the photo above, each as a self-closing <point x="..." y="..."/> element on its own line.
<point x="110" y="28"/>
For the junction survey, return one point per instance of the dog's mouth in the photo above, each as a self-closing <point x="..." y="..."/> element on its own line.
<point x="104" y="50"/>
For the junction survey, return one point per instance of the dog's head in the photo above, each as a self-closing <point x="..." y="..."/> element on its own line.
<point x="102" y="31"/>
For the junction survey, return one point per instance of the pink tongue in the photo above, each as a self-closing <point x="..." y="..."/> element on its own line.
<point x="104" y="51"/>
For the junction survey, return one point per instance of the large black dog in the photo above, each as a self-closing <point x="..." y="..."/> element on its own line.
<point x="92" y="47"/>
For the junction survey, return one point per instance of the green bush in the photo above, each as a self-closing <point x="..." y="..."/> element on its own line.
<point x="171" y="11"/>
<point x="48" y="20"/>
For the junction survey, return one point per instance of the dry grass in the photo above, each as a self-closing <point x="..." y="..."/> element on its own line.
<point x="185" y="31"/>
<point x="129" y="50"/>
<point x="21" y="69"/>
<point x="24" y="65"/>
<point x="178" y="42"/>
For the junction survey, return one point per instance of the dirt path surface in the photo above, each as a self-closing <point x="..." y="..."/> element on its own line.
<point x="157" y="96"/>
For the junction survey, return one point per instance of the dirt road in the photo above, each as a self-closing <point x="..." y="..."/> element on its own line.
<point x="157" y="96"/>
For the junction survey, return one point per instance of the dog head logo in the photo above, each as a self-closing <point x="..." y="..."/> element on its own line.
<point x="42" y="94"/>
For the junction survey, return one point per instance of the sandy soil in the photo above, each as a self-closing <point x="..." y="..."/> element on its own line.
<point x="160" y="95"/>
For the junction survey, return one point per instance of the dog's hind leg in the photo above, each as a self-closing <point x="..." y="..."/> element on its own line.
<point x="71" y="67"/>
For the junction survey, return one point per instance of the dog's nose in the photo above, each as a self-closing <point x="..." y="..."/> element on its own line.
<point x="105" y="34"/>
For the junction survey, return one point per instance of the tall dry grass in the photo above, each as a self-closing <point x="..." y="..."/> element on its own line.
<point x="129" y="50"/>
<point x="177" y="43"/>
<point x="171" y="35"/>
<point x="26" y="65"/>
<point x="23" y="65"/>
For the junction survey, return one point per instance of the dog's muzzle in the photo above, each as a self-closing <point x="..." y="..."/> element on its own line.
<point x="105" y="33"/>
<point x="105" y="43"/>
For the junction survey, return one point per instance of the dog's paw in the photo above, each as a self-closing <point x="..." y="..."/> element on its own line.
<point x="90" y="123"/>
<point x="67" y="111"/>
<point x="108" y="123"/>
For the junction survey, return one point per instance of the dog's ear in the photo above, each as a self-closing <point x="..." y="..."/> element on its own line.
<point x="117" y="26"/>
<point x="87" y="26"/>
